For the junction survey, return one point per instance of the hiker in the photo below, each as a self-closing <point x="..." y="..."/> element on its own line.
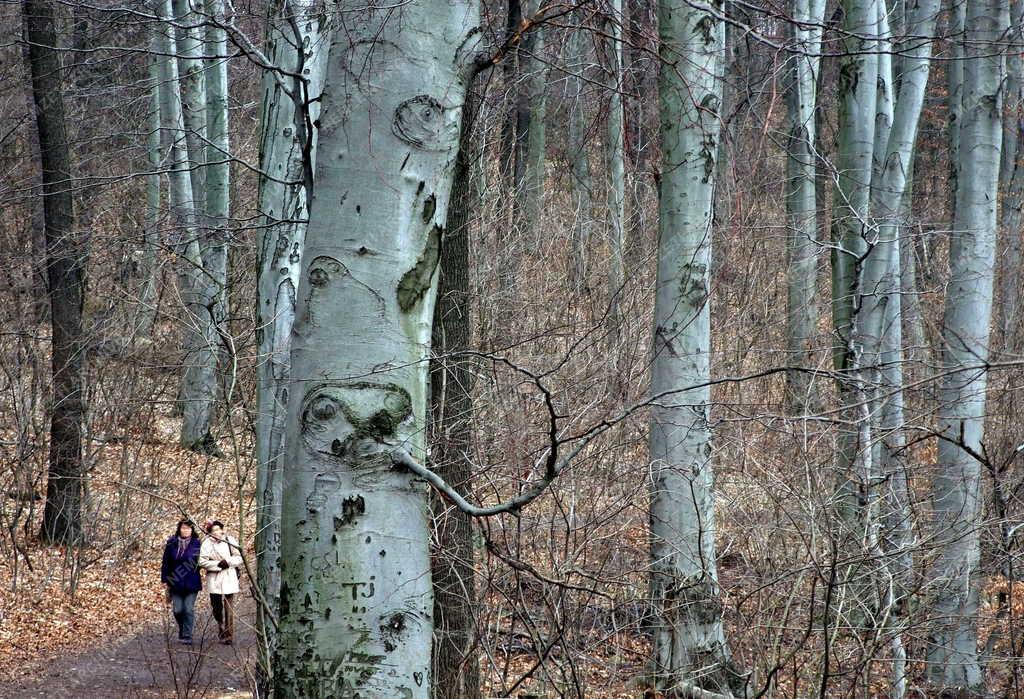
<point x="179" y="572"/>
<point x="219" y="557"/>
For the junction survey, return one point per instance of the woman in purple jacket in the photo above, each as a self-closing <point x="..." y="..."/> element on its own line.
<point x="180" y="573"/>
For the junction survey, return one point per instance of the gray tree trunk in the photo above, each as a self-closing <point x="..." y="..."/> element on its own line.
<point x="536" y="137"/>
<point x="689" y="642"/>
<point x="189" y="35"/>
<point x="582" y="184"/>
<point x="66" y="256"/>
<point x="198" y="391"/>
<point x="615" y="146"/>
<point x="183" y="218"/>
<point x="851" y="231"/>
<point x="218" y="174"/>
<point x="801" y="202"/>
<point x="146" y="314"/>
<point x="356" y="599"/>
<point x="880" y="305"/>
<point x="297" y="44"/>
<point x="952" y="651"/>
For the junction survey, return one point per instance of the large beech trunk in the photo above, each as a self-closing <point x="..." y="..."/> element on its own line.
<point x="690" y="648"/>
<point x="356" y="599"/>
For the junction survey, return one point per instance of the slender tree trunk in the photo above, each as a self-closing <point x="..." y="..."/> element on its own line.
<point x="536" y="138"/>
<point x="952" y="651"/>
<point x="356" y="598"/>
<point x="801" y="202"/>
<point x="616" y="158"/>
<point x="66" y="257"/>
<point x="880" y="305"/>
<point x="954" y="88"/>
<point x="189" y="40"/>
<point x="218" y="172"/>
<point x="1011" y="184"/>
<point x="146" y="315"/>
<point x="689" y="639"/>
<point x="183" y="218"/>
<point x="851" y="232"/>
<point x="298" y="45"/>
<point x="456" y="672"/>
<point x="582" y="184"/>
<point x="198" y="395"/>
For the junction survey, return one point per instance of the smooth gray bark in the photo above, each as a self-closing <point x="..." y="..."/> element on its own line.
<point x="536" y="138"/>
<point x="198" y="392"/>
<point x="218" y="167"/>
<point x="582" y="184"/>
<point x="801" y="201"/>
<point x="689" y="643"/>
<point x="356" y="599"/>
<point x="616" y="159"/>
<point x="297" y="44"/>
<point x="952" y="651"/>
<point x="183" y="215"/>
<point x="146" y="314"/>
<point x="189" y="35"/>
<point x="851" y="231"/>
<point x="880" y="306"/>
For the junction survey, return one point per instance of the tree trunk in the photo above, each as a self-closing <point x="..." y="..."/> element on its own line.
<point x="217" y="210"/>
<point x="536" y="137"/>
<point x="183" y="217"/>
<point x="287" y="154"/>
<point x="1011" y="184"/>
<point x="582" y="184"/>
<point x="851" y="231"/>
<point x="198" y="393"/>
<point x="66" y="256"/>
<point x="688" y="635"/>
<point x="616" y="158"/>
<point x="356" y="599"/>
<point x="456" y="672"/>
<point x="952" y="653"/>
<point x="801" y="203"/>
<point x="189" y="41"/>
<point x="954" y="89"/>
<point x="146" y="315"/>
<point x="880" y="303"/>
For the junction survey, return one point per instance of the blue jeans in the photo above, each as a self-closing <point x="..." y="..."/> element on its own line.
<point x="183" y="604"/>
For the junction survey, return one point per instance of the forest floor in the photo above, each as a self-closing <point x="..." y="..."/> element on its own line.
<point x="147" y="661"/>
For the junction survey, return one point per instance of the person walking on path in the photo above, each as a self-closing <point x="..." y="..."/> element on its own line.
<point x="179" y="572"/>
<point x="219" y="557"/>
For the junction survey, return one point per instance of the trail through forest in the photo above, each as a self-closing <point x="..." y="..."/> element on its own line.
<point x="151" y="663"/>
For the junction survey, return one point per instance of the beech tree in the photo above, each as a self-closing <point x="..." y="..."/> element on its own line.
<point x="956" y="489"/>
<point x="801" y="196"/>
<point x="356" y="601"/>
<point x="297" y="46"/>
<point x="690" y="649"/>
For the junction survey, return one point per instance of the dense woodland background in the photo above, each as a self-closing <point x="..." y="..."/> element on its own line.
<point x="546" y="319"/>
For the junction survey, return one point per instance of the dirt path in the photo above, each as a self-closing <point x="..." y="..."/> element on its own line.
<point x="150" y="663"/>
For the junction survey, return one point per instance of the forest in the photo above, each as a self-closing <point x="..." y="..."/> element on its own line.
<point x="459" y="349"/>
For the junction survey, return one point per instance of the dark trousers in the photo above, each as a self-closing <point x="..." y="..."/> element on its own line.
<point x="183" y="604"/>
<point x="224" y="613"/>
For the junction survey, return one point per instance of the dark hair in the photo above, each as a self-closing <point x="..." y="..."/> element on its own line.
<point x="214" y="523"/>
<point x="187" y="522"/>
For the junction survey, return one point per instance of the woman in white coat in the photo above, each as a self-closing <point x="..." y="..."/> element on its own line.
<point x="220" y="556"/>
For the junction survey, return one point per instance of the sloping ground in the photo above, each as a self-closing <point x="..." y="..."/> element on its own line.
<point x="148" y="662"/>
